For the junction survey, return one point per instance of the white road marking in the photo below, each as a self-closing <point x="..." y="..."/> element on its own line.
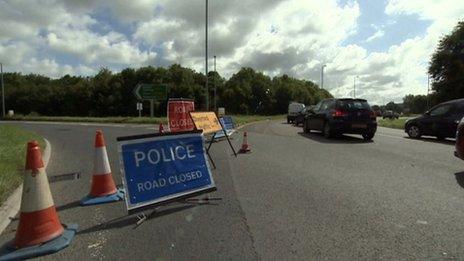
<point x="421" y="222"/>
<point x="100" y="239"/>
<point x="390" y="136"/>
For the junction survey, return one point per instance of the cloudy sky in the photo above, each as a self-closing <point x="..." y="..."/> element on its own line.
<point x="386" y="43"/>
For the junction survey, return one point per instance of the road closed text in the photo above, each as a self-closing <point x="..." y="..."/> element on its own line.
<point x="170" y="181"/>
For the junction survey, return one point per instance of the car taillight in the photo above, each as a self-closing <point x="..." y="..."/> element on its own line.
<point x="372" y="115"/>
<point x="339" y="113"/>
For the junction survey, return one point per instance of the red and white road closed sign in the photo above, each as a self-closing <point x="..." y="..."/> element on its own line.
<point x="178" y="115"/>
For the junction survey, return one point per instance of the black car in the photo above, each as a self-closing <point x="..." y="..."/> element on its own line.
<point x="337" y="116"/>
<point x="441" y="121"/>
<point x="299" y="119"/>
<point x="390" y="115"/>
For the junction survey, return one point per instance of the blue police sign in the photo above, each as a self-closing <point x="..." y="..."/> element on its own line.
<point x="163" y="167"/>
<point x="228" y="125"/>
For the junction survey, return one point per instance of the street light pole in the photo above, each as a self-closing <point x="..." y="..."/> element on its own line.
<point x="428" y="90"/>
<point x="3" y="90"/>
<point x="215" y="88"/>
<point x="206" y="55"/>
<point x="354" y="86"/>
<point x="322" y="76"/>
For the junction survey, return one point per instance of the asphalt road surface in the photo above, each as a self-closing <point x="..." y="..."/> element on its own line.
<point x="296" y="196"/>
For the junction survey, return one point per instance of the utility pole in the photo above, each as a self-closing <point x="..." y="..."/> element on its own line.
<point x="206" y="55"/>
<point x="322" y="76"/>
<point x="215" y="87"/>
<point x="3" y="90"/>
<point x="428" y="90"/>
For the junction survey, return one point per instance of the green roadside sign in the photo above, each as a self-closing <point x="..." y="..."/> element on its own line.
<point x="148" y="91"/>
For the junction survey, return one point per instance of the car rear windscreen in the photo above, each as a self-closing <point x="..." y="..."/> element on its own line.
<point x="354" y="105"/>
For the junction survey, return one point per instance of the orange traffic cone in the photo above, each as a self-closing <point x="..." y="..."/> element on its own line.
<point x="39" y="231"/>
<point x="161" y="128"/>
<point x="245" y="146"/>
<point x="103" y="189"/>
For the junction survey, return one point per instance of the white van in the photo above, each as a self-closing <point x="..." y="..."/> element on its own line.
<point x="293" y="109"/>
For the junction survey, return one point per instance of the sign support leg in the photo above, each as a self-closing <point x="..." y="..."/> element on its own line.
<point x="210" y="159"/>
<point x="211" y="142"/>
<point x="230" y="144"/>
<point x="141" y="217"/>
<point x="207" y="151"/>
<point x="227" y="137"/>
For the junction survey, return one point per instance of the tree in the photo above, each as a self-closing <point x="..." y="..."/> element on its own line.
<point x="237" y="95"/>
<point x="110" y="94"/>
<point x="392" y="106"/>
<point x="415" y="103"/>
<point x="289" y="89"/>
<point x="447" y="66"/>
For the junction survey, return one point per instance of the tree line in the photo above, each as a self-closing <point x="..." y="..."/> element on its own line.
<point x="111" y="94"/>
<point x="412" y="104"/>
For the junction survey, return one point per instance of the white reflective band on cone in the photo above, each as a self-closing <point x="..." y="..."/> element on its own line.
<point x="36" y="192"/>
<point x="101" y="165"/>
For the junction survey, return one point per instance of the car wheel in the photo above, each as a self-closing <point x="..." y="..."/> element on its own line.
<point x="368" y="136"/>
<point x="288" y="121"/>
<point x="327" y="131"/>
<point x="413" y="131"/>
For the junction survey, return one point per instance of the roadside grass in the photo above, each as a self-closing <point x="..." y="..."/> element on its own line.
<point x="238" y="119"/>
<point x="13" y="142"/>
<point x="244" y="119"/>
<point x="394" y="123"/>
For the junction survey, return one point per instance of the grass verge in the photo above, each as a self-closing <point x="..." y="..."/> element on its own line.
<point x="395" y="123"/>
<point x="244" y="119"/>
<point x="12" y="157"/>
<point x="238" y="119"/>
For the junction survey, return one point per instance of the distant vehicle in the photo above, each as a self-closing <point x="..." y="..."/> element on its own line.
<point x="293" y="109"/>
<point x="338" y="116"/>
<point x="300" y="117"/>
<point x="441" y="121"/>
<point x="390" y="115"/>
<point x="459" y="146"/>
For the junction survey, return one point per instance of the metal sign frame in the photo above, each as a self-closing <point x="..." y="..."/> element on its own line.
<point x="131" y="208"/>
<point x="213" y="139"/>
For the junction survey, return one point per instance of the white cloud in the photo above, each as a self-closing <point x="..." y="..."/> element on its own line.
<point x="306" y="32"/>
<point x="93" y="48"/>
<point x="402" y="69"/>
<point x="32" y="33"/>
<point x="52" y="68"/>
<point x="13" y="53"/>
<point x="376" y="35"/>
